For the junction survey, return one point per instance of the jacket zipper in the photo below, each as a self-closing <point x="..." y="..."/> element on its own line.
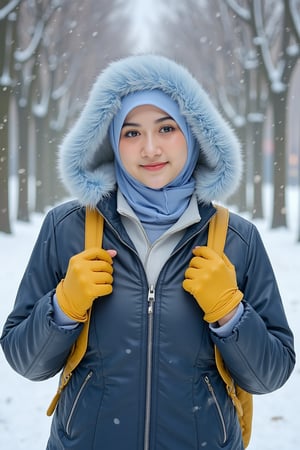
<point x="151" y="300"/>
<point x="212" y="392"/>
<point x="86" y="380"/>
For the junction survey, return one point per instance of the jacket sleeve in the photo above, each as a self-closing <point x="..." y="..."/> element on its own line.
<point x="260" y="351"/>
<point x="33" y="344"/>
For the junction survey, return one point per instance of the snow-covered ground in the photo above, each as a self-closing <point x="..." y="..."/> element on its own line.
<point x="23" y="421"/>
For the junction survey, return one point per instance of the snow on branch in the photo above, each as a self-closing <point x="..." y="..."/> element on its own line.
<point x="262" y="41"/>
<point x="295" y="16"/>
<point x="63" y="113"/>
<point x="274" y="20"/>
<point x="256" y="117"/>
<point x="241" y="12"/>
<point x="40" y="109"/>
<point x="5" y="80"/>
<point x="293" y="50"/>
<point x="7" y="9"/>
<point x="25" y="55"/>
<point x="61" y="90"/>
<point x="236" y="119"/>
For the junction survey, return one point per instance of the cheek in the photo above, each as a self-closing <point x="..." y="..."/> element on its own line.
<point x="182" y="154"/>
<point x="179" y="143"/>
<point x="127" y="157"/>
<point x="124" y="152"/>
<point x="181" y="161"/>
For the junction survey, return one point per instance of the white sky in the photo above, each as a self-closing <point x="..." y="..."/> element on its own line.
<point x="144" y="13"/>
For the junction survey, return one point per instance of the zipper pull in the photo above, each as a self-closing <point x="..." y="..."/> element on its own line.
<point x="151" y="299"/>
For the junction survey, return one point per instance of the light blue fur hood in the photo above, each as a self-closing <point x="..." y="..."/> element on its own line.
<point x="86" y="156"/>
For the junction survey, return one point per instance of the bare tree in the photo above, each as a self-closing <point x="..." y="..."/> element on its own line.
<point x="59" y="48"/>
<point x="37" y="15"/>
<point x="8" y="22"/>
<point x="244" y="53"/>
<point x="252" y="92"/>
<point x="275" y="27"/>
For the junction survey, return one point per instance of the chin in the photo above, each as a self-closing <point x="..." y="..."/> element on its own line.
<point x="156" y="186"/>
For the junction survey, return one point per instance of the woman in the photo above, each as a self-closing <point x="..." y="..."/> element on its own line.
<point x="150" y="152"/>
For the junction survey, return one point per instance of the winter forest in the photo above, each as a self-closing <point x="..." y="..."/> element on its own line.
<point x="245" y="53"/>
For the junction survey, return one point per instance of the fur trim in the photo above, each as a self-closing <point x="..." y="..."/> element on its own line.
<point x="86" y="157"/>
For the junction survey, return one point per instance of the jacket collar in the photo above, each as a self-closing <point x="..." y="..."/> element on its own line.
<point x="108" y="207"/>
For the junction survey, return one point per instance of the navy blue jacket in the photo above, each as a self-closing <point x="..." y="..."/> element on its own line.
<point x="112" y="399"/>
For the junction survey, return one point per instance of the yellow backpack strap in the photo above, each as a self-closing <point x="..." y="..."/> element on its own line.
<point x="241" y="399"/>
<point x="94" y="224"/>
<point x="93" y="237"/>
<point x="217" y="232"/>
<point x="218" y="229"/>
<point x="216" y="240"/>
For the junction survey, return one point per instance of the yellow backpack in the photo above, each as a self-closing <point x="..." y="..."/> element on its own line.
<point x="241" y="399"/>
<point x="93" y="236"/>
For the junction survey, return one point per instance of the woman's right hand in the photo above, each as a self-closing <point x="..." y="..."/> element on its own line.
<point x="89" y="275"/>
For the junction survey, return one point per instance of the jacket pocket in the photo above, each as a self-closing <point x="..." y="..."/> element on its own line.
<point x="217" y="405"/>
<point x="75" y="403"/>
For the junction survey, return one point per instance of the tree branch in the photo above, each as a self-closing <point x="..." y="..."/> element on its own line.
<point x="241" y="12"/>
<point x="7" y="9"/>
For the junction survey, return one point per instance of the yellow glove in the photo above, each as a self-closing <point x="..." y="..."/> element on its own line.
<point x="211" y="279"/>
<point x="89" y="276"/>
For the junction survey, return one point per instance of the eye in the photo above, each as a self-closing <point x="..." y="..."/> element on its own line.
<point x="167" y="129"/>
<point x="131" y="133"/>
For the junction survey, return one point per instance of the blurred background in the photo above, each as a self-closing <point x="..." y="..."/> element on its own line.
<point x="245" y="54"/>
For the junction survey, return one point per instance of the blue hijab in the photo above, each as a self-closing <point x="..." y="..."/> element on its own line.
<point x="157" y="209"/>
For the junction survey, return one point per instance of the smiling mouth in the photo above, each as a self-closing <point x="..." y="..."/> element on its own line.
<point x="155" y="166"/>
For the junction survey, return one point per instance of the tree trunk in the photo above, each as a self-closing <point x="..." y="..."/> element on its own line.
<point x="279" y="104"/>
<point x="4" y="136"/>
<point x="23" y="200"/>
<point x="46" y="164"/>
<point x="4" y="165"/>
<point x="49" y="165"/>
<point x="257" y="210"/>
<point x="40" y="202"/>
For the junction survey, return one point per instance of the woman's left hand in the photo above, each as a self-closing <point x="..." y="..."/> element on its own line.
<point x="211" y="279"/>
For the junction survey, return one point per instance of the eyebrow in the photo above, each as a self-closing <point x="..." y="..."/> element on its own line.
<point x="161" y="119"/>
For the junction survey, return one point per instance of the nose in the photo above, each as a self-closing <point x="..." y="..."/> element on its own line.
<point x="150" y="146"/>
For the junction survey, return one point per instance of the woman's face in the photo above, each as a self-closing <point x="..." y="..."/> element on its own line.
<point x="152" y="147"/>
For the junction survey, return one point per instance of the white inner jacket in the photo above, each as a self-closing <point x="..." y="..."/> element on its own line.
<point x="154" y="256"/>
